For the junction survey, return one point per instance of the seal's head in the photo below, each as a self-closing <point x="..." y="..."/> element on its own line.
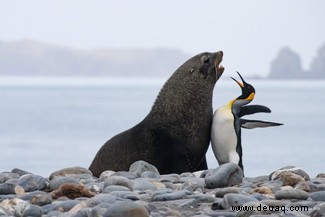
<point x="206" y="65"/>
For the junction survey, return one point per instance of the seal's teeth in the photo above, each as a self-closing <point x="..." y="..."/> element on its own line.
<point x="220" y="69"/>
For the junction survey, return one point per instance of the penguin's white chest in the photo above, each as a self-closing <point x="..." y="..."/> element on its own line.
<point x="223" y="136"/>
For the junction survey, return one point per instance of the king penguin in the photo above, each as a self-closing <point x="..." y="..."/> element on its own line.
<point x="227" y="124"/>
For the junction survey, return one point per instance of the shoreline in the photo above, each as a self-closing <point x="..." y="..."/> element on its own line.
<point x="142" y="191"/>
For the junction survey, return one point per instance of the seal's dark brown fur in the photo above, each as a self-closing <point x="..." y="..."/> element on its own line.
<point x="175" y="135"/>
<point x="71" y="191"/>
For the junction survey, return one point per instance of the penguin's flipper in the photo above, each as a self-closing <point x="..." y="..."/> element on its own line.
<point x="252" y="109"/>
<point x="251" y="124"/>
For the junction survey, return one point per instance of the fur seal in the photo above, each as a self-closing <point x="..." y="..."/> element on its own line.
<point x="175" y="135"/>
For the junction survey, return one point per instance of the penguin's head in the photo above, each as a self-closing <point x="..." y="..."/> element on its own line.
<point x="248" y="92"/>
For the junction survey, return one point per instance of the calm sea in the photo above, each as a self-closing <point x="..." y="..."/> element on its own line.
<point x="51" y="123"/>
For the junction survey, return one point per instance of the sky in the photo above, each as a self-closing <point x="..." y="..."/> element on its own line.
<point x="250" y="32"/>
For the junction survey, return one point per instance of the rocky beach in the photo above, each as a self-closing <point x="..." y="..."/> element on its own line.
<point x="143" y="191"/>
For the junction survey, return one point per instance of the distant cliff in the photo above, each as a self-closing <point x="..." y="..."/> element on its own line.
<point x="34" y="58"/>
<point x="287" y="65"/>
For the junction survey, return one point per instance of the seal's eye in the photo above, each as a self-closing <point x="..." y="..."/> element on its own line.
<point x="205" y="59"/>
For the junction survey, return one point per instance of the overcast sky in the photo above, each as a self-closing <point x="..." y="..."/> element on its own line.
<point x="249" y="32"/>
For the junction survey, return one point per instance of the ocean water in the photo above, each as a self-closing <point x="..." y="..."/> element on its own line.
<point x="51" y="123"/>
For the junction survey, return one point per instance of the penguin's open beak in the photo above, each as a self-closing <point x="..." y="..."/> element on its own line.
<point x="241" y="84"/>
<point x="248" y="91"/>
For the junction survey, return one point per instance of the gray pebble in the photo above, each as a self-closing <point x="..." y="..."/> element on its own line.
<point x="150" y="174"/>
<point x="256" y="180"/>
<point x="29" y="196"/>
<point x="4" y="176"/>
<point x="104" y="175"/>
<point x="66" y="205"/>
<point x="126" y="208"/>
<point x="318" y="211"/>
<point x="202" y="198"/>
<point x="193" y="181"/>
<point x="23" y="209"/>
<point x="220" y="192"/>
<point x="70" y="171"/>
<point x="318" y="196"/>
<point x="118" y="180"/>
<point x="57" y="181"/>
<point x="291" y="194"/>
<point x="125" y="174"/>
<point x="101" y="198"/>
<point x="140" y="167"/>
<point x="226" y="175"/>
<point x="5" y="212"/>
<point x="32" y="182"/>
<point x="126" y="195"/>
<point x="189" y="204"/>
<point x="112" y="188"/>
<point x="171" y="196"/>
<point x="274" y="203"/>
<point x="20" y="172"/>
<point x="236" y="200"/>
<point x="7" y="188"/>
<point x="143" y="185"/>
<point x="162" y="191"/>
<point x="223" y="213"/>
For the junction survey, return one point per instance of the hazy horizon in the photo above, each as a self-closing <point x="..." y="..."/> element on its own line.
<point x="250" y="33"/>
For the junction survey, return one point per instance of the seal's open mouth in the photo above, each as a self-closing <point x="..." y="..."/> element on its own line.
<point x="219" y="68"/>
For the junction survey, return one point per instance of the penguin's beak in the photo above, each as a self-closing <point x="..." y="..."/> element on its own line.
<point x="242" y="84"/>
<point x="238" y="82"/>
<point x="248" y="91"/>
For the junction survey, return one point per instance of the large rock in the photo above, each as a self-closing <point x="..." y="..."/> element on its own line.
<point x="226" y="175"/>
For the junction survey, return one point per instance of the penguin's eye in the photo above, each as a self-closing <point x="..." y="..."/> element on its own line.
<point x="192" y="69"/>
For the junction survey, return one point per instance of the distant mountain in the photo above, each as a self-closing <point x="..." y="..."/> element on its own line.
<point x="34" y="58"/>
<point x="287" y="65"/>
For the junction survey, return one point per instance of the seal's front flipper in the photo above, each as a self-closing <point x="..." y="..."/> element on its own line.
<point x="252" y="109"/>
<point x="251" y="124"/>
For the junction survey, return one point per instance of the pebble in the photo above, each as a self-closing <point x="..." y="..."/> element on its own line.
<point x="220" y="192"/>
<point x="112" y="188"/>
<point x="226" y="175"/>
<point x="291" y="194"/>
<point x="143" y="191"/>
<point x="118" y="180"/>
<point x="125" y="174"/>
<point x="126" y="208"/>
<point x="143" y="185"/>
<point x="171" y="196"/>
<point x="231" y="199"/>
<point x="318" y="196"/>
<point x="5" y="176"/>
<point x="140" y="167"/>
<point x="104" y="175"/>
<point x="70" y="171"/>
<point x="56" y="182"/>
<point x="31" y="182"/>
